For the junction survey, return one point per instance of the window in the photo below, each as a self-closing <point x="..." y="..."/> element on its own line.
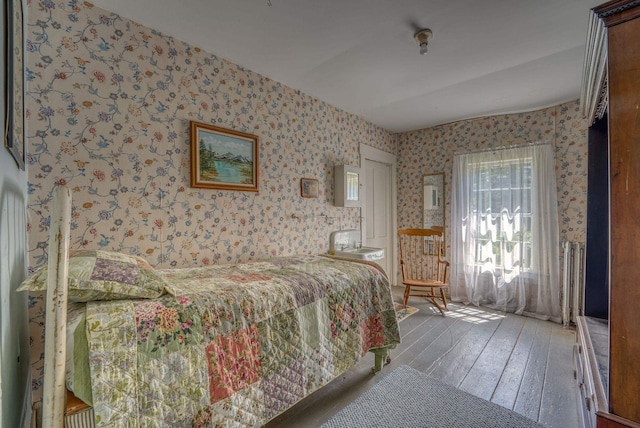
<point x="504" y="230"/>
<point x="501" y="199"/>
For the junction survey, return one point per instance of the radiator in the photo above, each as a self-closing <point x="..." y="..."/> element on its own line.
<point x="571" y="293"/>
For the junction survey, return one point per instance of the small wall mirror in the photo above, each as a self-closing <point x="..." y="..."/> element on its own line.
<point x="433" y="204"/>
<point x="352" y="186"/>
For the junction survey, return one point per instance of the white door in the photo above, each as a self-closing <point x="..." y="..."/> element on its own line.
<point x="378" y="223"/>
<point x="379" y="211"/>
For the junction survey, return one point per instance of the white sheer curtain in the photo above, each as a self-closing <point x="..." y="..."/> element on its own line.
<point x="505" y="239"/>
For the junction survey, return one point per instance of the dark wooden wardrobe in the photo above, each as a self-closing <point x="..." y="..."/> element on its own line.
<point x="608" y="351"/>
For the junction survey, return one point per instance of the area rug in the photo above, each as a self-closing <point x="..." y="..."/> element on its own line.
<point x="403" y="311"/>
<point x="408" y="398"/>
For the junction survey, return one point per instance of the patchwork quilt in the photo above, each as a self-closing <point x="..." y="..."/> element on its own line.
<point x="234" y="345"/>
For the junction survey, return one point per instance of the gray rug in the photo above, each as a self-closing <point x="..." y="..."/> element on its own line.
<point x="409" y="398"/>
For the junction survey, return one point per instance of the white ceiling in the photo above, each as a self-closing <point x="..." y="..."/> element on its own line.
<point x="485" y="57"/>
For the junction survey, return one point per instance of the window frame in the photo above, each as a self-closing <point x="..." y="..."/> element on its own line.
<point x="525" y="256"/>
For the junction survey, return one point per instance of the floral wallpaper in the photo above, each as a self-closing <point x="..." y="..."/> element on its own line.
<point x="108" y="108"/>
<point x="431" y="150"/>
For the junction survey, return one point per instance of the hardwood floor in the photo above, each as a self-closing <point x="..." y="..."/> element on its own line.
<point x="520" y="363"/>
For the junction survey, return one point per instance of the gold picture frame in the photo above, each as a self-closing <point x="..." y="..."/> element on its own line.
<point x="14" y="135"/>
<point x="223" y="158"/>
<point x="309" y="187"/>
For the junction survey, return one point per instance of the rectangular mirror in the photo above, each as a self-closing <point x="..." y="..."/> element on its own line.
<point x="433" y="204"/>
<point x="352" y="186"/>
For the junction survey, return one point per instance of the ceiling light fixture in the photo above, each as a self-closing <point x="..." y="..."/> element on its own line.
<point x="423" y="37"/>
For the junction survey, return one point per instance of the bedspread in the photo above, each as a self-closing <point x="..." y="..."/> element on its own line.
<point x="235" y="345"/>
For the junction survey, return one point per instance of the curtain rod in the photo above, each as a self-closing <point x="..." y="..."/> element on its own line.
<point x="495" y="149"/>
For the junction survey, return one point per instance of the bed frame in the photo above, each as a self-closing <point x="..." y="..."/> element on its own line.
<point x="55" y="396"/>
<point x="53" y="392"/>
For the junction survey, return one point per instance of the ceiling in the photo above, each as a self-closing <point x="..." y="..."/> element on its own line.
<point x="486" y="57"/>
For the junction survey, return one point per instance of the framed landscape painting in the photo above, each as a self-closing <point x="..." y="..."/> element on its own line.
<point x="223" y="158"/>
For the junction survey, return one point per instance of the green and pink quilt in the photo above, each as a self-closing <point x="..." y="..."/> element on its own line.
<point x="234" y="345"/>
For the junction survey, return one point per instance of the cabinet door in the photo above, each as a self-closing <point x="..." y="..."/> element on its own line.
<point x="624" y="145"/>
<point x="347" y="186"/>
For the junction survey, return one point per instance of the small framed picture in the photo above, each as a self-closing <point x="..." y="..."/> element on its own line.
<point x="223" y="158"/>
<point x="308" y="187"/>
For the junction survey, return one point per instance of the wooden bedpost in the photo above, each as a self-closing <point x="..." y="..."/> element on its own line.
<point x="382" y="357"/>
<point x="53" y="392"/>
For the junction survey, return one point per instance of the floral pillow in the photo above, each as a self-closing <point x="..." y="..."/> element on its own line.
<point x="104" y="275"/>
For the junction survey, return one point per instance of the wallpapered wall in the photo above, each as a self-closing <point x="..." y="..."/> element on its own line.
<point x="108" y="107"/>
<point x="431" y="150"/>
<point x="109" y="103"/>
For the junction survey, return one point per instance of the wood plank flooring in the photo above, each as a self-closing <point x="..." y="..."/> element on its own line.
<point x="520" y="363"/>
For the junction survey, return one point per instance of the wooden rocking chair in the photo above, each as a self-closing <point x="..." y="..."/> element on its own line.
<point x="423" y="268"/>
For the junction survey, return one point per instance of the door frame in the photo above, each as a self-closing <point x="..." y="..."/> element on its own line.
<point x="377" y="155"/>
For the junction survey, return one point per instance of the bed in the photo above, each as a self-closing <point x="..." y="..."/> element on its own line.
<point x="225" y="345"/>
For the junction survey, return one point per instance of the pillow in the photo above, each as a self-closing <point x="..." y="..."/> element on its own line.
<point x="104" y="275"/>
